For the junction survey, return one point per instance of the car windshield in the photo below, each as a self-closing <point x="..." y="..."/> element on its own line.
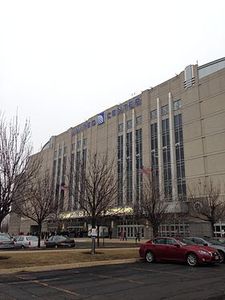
<point x="215" y="242"/>
<point x="4" y="238"/>
<point x="62" y="238"/>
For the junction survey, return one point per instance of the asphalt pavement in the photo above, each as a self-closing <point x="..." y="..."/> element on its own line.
<point x="138" y="280"/>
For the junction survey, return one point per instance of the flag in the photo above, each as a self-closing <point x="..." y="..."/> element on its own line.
<point x="146" y="171"/>
<point x="63" y="187"/>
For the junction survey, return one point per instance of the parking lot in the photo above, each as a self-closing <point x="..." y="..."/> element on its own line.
<point x="125" y="281"/>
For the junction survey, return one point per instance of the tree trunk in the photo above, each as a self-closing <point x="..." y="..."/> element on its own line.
<point x="2" y="217"/>
<point x="98" y="236"/>
<point x="155" y="230"/>
<point x="92" y="245"/>
<point x="212" y="228"/>
<point x="39" y="235"/>
<point x="93" y="223"/>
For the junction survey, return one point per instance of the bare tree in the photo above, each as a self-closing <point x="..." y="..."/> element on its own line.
<point x="151" y="206"/>
<point x="15" y="150"/>
<point x="38" y="202"/>
<point x="205" y="202"/>
<point x="97" y="189"/>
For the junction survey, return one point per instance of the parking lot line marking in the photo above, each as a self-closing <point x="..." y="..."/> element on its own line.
<point x="118" y="279"/>
<point x="166" y="272"/>
<point x="55" y="288"/>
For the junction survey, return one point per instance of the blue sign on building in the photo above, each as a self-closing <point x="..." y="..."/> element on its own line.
<point x="101" y="118"/>
<point x="110" y="114"/>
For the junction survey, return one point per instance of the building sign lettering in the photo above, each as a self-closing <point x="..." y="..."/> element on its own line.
<point x="101" y="118"/>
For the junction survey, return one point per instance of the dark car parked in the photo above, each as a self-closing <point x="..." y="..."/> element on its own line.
<point x="6" y="242"/>
<point x="180" y="250"/>
<point x="56" y="241"/>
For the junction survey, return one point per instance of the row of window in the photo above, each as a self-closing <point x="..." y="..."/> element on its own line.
<point x="153" y="115"/>
<point x="165" y="109"/>
<point x="166" y="155"/>
<point x="129" y="124"/>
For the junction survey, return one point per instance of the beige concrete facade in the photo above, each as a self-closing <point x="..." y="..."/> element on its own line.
<point x="197" y="94"/>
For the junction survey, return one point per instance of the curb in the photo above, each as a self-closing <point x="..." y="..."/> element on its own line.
<point x="67" y="266"/>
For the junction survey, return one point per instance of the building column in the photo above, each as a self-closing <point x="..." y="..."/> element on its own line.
<point x="124" y="161"/>
<point x="160" y="161"/>
<point x="134" y="187"/>
<point x="172" y="149"/>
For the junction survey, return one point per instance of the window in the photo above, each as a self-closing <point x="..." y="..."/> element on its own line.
<point x="138" y="120"/>
<point x="120" y="168"/>
<point x="129" y="124"/>
<point x="139" y="174"/>
<point x="55" y="153"/>
<point x="164" y="110"/>
<point x="160" y="241"/>
<point x="120" y="127"/>
<point x="73" y="147"/>
<point x="166" y="159"/>
<point x="78" y="144"/>
<point x="179" y="149"/>
<point x="171" y="242"/>
<point x="84" y="142"/>
<point x="153" y="114"/>
<point x="189" y="79"/>
<point x="154" y="154"/>
<point x="129" y="167"/>
<point x="65" y="150"/>
<point x="176" y="104"/>
<point x="60" y="151"/>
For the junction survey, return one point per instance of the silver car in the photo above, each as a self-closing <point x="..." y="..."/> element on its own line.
<point x="211" y="243"/>
<point x="6" y="242"/>
<point x="26" y="241"/>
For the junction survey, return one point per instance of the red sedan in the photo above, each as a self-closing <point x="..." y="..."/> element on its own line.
<point x="180" y="250"/>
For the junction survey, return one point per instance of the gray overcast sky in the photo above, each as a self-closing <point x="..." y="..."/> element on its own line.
<point x="62" y="62"/>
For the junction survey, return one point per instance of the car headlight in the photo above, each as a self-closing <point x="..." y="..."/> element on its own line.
<point x="203" y="252"/>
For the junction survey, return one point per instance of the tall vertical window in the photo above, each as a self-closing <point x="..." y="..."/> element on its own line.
<point x="166" y="159"/>
<point x="71" y="183"/>
<point x="54" y="177"/>
<point x="62" y="187"/>
<point x="77" y="181"/>
<point x="84" y="159"/>
<point x="58" y="181"/>
<point x="129" y="167"/>
<point x="154" y="154"/>
<point x="139" y="174"/>
<point x="120" y="169"/>
<point x="179" y="146"/>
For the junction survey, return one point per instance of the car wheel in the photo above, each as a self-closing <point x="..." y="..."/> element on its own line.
<point x="149" y="257"/>
<point x="192" y="260"/>
<point x="222" y="255"/>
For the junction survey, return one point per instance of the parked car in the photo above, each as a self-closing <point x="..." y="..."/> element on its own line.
<point x="56" y="241"/>
<point x="6" y="242"/>
<point x="26" y="241"/>
<point x="180" y="250"/>
<point x="211" y="243"/>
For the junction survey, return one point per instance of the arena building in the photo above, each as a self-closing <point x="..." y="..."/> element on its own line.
<point x="176" y="130"/>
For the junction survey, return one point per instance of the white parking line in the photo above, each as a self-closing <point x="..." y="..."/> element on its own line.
<point x="162" y="272"/>
<point x="56" y="288"/>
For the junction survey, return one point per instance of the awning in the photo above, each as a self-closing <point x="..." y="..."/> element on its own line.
<point x="116" y="211"/>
